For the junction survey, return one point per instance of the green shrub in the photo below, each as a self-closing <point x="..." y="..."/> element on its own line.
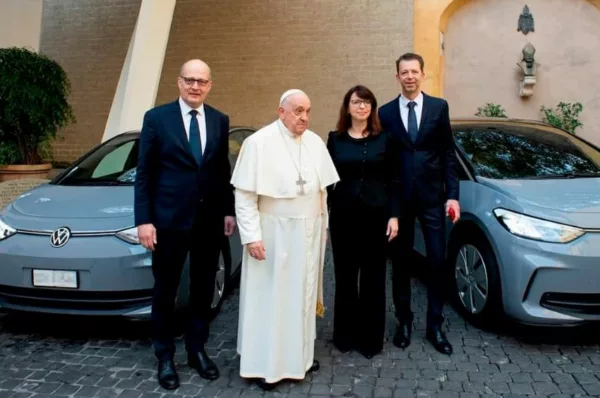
<point x="491" y="110"/>
<point x="33" y="105"/>
<point x="565" y="116"/>
<point x="9" y="153"/>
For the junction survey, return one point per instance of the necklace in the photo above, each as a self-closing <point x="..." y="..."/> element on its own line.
<point x="300" y="181"/>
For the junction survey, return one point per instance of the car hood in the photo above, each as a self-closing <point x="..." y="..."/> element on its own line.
<point x="572" y="200"/>
<point x="89" y="208"/>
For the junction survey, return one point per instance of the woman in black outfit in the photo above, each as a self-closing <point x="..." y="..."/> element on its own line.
<point x="363" y="209"/>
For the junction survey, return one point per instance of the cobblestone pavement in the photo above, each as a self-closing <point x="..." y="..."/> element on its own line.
<point x="99" y="358"/>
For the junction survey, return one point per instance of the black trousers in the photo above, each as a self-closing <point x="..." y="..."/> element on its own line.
<point x="359" y="243"/>
<point x="203" y="243"/>
<point x="432" y="221"/>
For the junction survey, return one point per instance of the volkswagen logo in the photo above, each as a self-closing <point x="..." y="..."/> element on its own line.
<point x="60" y="237"/>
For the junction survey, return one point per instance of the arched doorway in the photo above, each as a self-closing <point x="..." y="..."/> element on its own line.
<point x="430" y="23"/>
<point x="471" y="55"/>
<point x="483" y="47"/>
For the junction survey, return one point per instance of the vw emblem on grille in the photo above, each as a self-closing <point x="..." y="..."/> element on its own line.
<point x="60" y="237"/>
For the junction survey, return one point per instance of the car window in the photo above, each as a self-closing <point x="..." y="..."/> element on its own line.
<point x="462" y="173"/>
<point x="236" y="138"/>
<point x="114" y="163"/>
<point x="514" y="152"/>
<point x="111" y="164"/>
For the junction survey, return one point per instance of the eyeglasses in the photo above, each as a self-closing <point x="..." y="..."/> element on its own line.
<point x="360" y="102"/>
<point x="189" y="81"/>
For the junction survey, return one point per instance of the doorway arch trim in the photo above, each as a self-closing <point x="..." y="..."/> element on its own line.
<point x="430" y="23"/>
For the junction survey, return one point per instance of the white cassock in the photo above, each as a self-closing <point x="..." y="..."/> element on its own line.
<point x="279" y="295"/>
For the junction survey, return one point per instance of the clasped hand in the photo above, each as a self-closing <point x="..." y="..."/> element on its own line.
<point x="257" y="250"/>
<point x="453" y="210"/>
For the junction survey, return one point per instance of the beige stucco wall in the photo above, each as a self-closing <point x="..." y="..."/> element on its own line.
<point x="482" y="48"/>
<point x="20" y="23"/>
<point x="256" y="48"/>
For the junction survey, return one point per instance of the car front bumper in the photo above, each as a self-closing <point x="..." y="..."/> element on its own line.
<point x="550" y="283"/>
<point x="114" y="278"/>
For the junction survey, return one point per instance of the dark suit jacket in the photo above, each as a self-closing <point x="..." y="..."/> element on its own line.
<point x="428" y="167"/>
<point x="170" y="186"/>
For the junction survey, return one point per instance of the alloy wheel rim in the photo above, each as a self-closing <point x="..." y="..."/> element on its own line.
<point x="472" y="283"/>
<point x="219" y="283"/>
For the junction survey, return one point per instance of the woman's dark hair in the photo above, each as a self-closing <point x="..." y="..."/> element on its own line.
<point x="345" y="121"/>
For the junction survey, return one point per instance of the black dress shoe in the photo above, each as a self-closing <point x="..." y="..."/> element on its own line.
<point x="438" y="340"/>
<point x="263" y="385"/>
<point x="315" y="366"/>
<point x="403" y="333"/>
<point x="204" y="365"/>
<point x="167" y="375"/>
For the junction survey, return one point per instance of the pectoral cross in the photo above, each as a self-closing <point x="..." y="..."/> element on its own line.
<point x="301" y="183"/>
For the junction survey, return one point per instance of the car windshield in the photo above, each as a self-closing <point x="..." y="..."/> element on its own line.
<point x="517" y="152"/>
<point x="113" y="163"/>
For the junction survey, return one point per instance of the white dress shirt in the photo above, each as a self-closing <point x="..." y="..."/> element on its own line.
<point x="187" y="118"/>
<point x="404" y="109"/>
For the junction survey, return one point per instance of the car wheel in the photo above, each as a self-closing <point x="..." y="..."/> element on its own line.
<point x="476" y="287"/>
<point x="221" y="285"/>
<point x="222" y="279"/>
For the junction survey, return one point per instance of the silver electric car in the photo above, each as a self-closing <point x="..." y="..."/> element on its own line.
<point x="69" y="246"/>
<point x="528" y="243"/>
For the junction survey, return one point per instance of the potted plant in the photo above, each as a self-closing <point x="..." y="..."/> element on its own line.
<point x="33" y="107"/>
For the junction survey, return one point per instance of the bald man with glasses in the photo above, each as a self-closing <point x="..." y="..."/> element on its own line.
<point x="184" y="204"/>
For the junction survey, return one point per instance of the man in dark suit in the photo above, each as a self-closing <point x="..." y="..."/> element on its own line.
<point x="420" y="124"/>
<point x="184" y="204"/>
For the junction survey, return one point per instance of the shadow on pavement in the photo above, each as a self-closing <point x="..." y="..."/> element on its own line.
<point x="567" y="336"/>
<point x="582" y="335"/>
<point x="73" y="327"/>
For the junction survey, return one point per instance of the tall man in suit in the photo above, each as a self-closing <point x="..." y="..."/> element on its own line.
<point x="430" y="187"/>
<point x="184" y="204"/>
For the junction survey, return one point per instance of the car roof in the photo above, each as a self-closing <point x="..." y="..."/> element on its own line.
<point x="514" y="122"/>
<point x="136" y="133"/>
<point x="456" y="121"/>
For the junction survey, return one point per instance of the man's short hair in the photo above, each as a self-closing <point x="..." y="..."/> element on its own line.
<point x="410" y="57"/>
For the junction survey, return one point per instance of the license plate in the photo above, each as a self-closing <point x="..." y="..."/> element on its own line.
<point x="49" y="278"/>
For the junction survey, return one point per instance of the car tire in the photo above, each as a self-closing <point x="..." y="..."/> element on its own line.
<point x="476" y="289"/>
<point x="222" y="279"/>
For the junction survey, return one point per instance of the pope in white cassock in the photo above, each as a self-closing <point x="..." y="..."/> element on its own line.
<point x="280" y="181"/>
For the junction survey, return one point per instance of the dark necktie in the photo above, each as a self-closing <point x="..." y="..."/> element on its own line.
<point x="412" y="121"/>
<point x="195" y="144"/>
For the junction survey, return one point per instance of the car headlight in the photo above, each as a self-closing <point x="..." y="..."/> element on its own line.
<point x="6" y="230"/>
<point x="537" y="229"/>
<point x="129" y="235"/>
